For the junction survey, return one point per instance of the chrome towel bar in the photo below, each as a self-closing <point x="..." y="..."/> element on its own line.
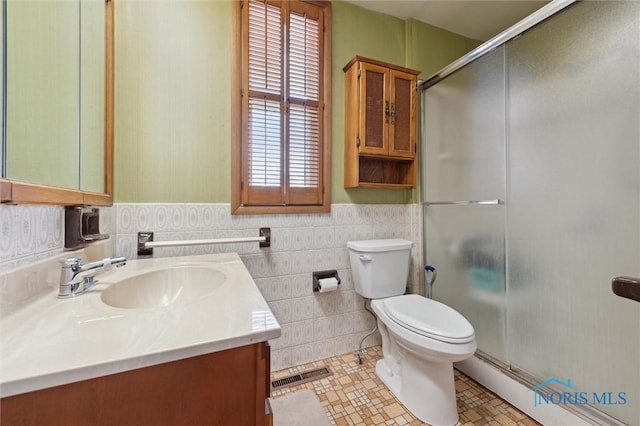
<point x="177" y="243"/>
<point x="146" y="244"/>
<point x="466" y="202"/>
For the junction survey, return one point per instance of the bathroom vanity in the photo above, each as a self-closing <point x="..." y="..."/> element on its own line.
<point x="186" y="350"/>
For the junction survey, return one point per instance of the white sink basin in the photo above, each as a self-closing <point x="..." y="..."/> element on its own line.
<point x="156" y="288"/>
<point x="148" y="312"/>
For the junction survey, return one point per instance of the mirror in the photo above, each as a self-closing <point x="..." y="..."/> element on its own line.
<point x="43" y="92"/>
<point x="58" y="101"/>
<point x="92" y="99"/>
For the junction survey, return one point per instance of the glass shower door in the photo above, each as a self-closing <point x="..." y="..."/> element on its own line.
<point x="573" y="218"/>
<point x="549" y="123"/>
<point x="463" y="161"/>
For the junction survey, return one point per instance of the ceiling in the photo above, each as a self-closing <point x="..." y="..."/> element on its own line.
<point x="476" y="19"/>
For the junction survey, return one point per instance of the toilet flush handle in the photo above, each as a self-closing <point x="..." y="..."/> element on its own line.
<point x="365" y="258"/>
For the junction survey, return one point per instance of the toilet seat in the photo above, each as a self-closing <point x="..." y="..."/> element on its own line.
<point x="428" y="318"/>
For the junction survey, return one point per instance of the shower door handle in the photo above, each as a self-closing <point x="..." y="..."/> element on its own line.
<point x="628" y="287"/>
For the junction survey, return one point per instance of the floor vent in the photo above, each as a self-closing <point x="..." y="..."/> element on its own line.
<point x="299" y="378"/>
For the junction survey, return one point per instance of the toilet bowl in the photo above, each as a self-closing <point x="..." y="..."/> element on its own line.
<point x="421" y="338"/>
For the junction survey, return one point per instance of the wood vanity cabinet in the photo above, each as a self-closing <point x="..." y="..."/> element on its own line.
<point x="222" y="388"/>
<point x="380" y="125"/>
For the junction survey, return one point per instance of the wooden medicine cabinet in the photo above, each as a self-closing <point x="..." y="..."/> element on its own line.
<point x="380" y="125"/>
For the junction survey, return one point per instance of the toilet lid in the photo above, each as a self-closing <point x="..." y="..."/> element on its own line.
<point x="372" y="246"/>
<point x="429" y="318"/>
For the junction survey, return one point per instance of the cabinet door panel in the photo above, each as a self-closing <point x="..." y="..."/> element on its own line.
<point x="215" y="389"/>
<point x="402" y="118"/>
<point x="373" y="117"/>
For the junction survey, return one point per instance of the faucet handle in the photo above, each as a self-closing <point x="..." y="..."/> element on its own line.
<point x="70" y="262"/>
<point x="69" y="267"/>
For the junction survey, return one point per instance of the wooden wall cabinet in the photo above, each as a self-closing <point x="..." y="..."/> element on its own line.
<point x="221" y="388"/>
<point x="380" y="125"/>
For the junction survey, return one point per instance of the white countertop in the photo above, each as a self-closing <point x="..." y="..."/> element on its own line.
<point x="54" y="341"/>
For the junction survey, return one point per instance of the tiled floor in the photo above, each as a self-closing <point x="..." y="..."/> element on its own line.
<point x="354" y="395"/>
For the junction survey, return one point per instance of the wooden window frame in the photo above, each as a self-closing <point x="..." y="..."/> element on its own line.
<point x="239" y="80"/>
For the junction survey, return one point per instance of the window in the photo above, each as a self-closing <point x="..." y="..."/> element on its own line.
<point x="280" y="88"/>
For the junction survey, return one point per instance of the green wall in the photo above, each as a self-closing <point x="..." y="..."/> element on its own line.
<point x="172" y="73"/>
<point x="429" y="48"/>
<point x="172" y="95"/>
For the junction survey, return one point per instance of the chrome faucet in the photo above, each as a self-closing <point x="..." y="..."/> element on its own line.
<point x="76" y="277"/>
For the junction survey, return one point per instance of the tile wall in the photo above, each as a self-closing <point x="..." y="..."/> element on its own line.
<point x="314" y="326"/>
<point x="29" y="233"/>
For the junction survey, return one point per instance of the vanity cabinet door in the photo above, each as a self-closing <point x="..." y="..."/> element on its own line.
<point x="221" y="388"/>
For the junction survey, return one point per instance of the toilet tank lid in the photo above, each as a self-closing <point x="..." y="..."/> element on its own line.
<point x="379" y="245"/>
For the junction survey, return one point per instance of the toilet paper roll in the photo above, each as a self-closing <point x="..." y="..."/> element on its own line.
<point x="327" y="284"/>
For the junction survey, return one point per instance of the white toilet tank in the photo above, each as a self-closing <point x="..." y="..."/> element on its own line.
<point x="380" y="268"/>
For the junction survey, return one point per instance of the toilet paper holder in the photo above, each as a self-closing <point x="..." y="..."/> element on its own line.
<point x="318" y="275"/>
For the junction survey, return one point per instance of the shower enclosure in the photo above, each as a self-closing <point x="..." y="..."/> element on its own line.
<point x="531" y="189"/>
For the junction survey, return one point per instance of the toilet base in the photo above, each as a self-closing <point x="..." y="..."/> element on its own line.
<point x="426" y="388"/>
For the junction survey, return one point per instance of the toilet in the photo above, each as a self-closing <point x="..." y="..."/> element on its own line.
<point x="421" y="338"/>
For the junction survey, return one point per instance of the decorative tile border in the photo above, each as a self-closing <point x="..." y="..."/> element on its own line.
<point x="29" y="233"/>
